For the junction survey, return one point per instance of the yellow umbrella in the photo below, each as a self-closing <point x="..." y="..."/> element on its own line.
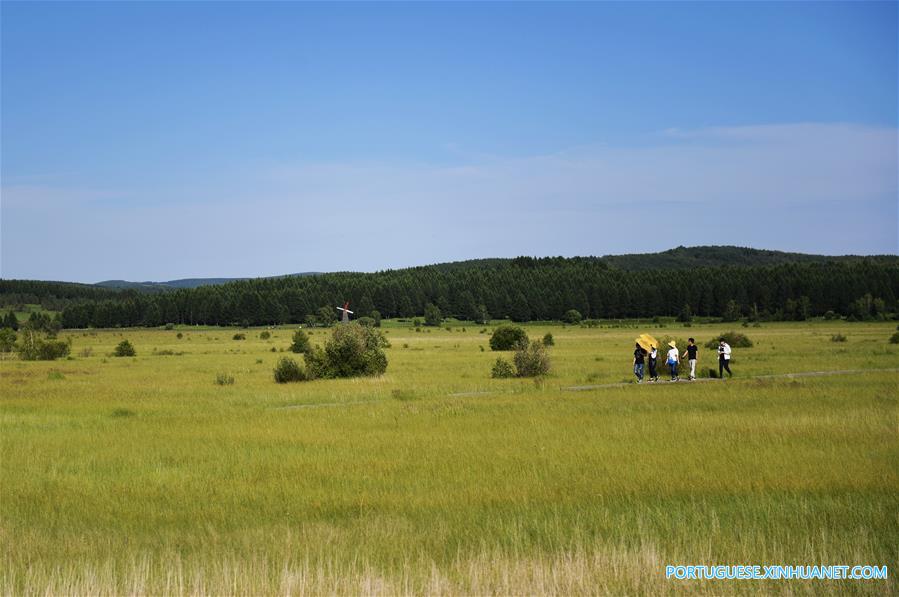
<point x="646" y="342"/>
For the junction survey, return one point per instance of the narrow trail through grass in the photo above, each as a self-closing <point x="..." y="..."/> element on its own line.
<point x="622" y="385"/>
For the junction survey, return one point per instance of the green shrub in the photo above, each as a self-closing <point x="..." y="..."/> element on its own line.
<point x="179" y="335"/>
<point x="34" y="346"/>
<point x="894" y="339"/>
<point x="239" y="336"/>
<point x="124" y="349"/>
<point x="288" y="370"/>
<point x="169" y="326"/>
<point x="838" y="338"/>
<point x="7" y="339"/>
<point x="572" y="316"/>
<point x="353" y="350"/>
<point x="735" y="339"/>
<point x="548" y="340"/>
<point x="265" y="335"/>
<point x="433" y="316"/>
<point x="502" y="369"/>
<point x="224" y="379"/>
<point x="300" y="342"/>
<point x="508" y="337"/>
<point x="531" y="360"/>
<point x="366" y="321"/>
<point x="830" y="315"/>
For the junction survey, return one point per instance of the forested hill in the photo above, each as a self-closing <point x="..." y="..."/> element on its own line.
<point x="720" y="256"/>
<point x="721" y="281"/>
<point x="520" y="289"/>
<point x="175" y="284"/>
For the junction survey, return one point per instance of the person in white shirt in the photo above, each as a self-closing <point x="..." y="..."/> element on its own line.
<point x="673" y="360"/>
<point x="724" y="358"/>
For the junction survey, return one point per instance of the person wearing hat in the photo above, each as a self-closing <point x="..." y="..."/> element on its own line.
<point x="653" y="359"/>
<point x="673" y="360"/>
<point x="639" y="355"/>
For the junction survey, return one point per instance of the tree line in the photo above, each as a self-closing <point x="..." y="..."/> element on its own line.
<point x="521" y="289"/>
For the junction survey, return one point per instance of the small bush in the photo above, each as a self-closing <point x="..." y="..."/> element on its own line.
<point x="734" y="339"/>
<point x="273" y="349"/>
<point x="572" y="316"/>
<point x="170" y="326"/>
<point x="838" y="338"/>
<point x="288" y="370"/>
<point x="239" y="336"/>
<point x="830" y="315"/>
<point x="179" y="335"/>
<point x="265" y="335"/>
<point x="124" y="349"/>
<point x="34" y="347"/>
<point x="122" y="412"/>
<point x="353" y="350"/>
<point x="7" y="339"/>
<point x="502" y="369"/>
<point x="433" y="316"/>
<point x="300" y="342"/>
<point x="548" y="340"/>
<point x="224" y="379"/>
<point x="531" y="360"/>
<point x="508" y="337"/>
<point x="366" y="321"/>
<point x="894" y="339"/>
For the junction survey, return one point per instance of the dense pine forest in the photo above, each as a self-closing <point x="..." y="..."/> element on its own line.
<point x="521" y="289"/>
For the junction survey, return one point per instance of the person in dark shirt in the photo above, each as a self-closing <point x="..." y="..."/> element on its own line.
<point x="653" y="359"/>
<point x="690" y="354"/>
<point x="639" y="356"/>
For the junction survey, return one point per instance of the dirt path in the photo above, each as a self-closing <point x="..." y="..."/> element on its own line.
<point x="616" y="385"/>
<point x="707" y="379"/>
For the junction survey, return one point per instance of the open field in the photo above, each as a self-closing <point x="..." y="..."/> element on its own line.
<point x="141" y="475"/>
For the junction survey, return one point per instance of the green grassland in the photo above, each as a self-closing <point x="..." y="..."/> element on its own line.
<point x="142" y="476"/>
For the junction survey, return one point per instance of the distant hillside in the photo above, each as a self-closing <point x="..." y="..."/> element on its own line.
<point x="719" y="256"/>
<point x="182" y="283"/>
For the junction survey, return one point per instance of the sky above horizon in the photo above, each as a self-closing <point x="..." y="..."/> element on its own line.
<point x="156" y="141"/>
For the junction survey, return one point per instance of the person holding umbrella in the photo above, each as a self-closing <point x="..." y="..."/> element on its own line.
<point x="646" y="344"/>
<point x="653" y="359"/>
<point x="639" y="356"/>
<point x="673" y="360"/>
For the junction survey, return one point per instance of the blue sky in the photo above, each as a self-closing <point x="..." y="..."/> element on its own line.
<point x="155" y="141"/>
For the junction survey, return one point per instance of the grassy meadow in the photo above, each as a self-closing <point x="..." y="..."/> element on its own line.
<point x="143" y="476"/>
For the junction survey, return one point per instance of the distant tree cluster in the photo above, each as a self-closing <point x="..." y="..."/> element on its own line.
<point x="521" y="289"/>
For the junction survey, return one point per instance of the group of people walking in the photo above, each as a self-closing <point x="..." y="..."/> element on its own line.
<point x="673" y="359"/>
